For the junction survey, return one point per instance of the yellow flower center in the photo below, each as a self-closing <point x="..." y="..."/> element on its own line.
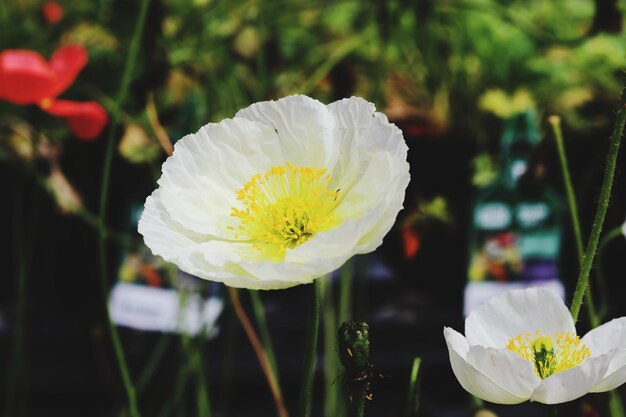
<point x="284" y="207"/>
<point x="550" y="354"/>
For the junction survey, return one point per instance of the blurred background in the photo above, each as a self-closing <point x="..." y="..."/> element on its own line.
<point x="456" y="76"/>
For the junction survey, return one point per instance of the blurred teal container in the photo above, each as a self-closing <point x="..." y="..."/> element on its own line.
<point x="516" y="223"/>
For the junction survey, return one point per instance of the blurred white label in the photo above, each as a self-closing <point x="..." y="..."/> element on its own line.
<point x="493" y="216"/>
<point x="532" y="214"/>
<point x="160" y="309"/>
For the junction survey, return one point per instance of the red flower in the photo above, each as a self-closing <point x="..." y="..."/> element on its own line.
<point x="52" y="12"/>
<point x="26" y="78"/>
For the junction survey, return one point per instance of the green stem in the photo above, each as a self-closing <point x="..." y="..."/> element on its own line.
<point x="345" y="291"/>
<point x="264" y="332"/>
<point x="360" y="404"/>
<point x="180" y="384"/>
<point x="615" y="404"/>
<point x="555" y="121"/>
<point x="153" y="361"/>
<point x="477" y="403"/>
<point x="344" y="314"/>
<point x="306" y="395"/>
<point x="331" y="362"/>
<point x="104" y="190"/>
<point x="605" y="194"/>
<point x="202" y="393"/>
<point x="413" y="396"/>
<point x="227" y="361"/>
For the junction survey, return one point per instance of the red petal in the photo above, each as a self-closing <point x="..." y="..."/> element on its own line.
<point x="86" y="119"/>
<point x="66" y="63"/>
<point x="411" y="240"/>
<point x="25" y="77"/>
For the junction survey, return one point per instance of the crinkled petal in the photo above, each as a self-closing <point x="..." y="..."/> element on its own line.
<point x="25" y="77"/>
<point x="198" y="188"/>
<point x="194" y="253"/>
<point x="572" y="383"/>
<point x="610" y="337"/>
<point x="305" y="127"/>
<point x="200" y="180"/>
<point x="606" y="337"/>
<point x="506" y="369"/>
<point x="85" y="119"/>
<point x="203" y="256"/>
<point x="518" y="312"/>
<point x="615" y="374"/>
<point x="163" y="235"/>
<point x="67" y="62"/>
<point x="372" y="166"/>
<point x="477" y="383"/>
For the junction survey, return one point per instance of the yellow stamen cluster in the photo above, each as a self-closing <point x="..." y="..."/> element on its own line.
<point x="284" y="207"/>
<point x="550" y="354"/>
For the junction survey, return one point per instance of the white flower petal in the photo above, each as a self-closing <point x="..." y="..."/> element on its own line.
<point x="305" y="127"/>
<point x="200" y="181"/>
<point x="189" y="220"/>
<point x="615" y="374"/>
<point x="506" y="369"/>
<point x="164" y="236"/>
<point x="606" y="337"/>
<point x="518" y="312"/>
<point x="609" y="337"/>
<point x="572" y="383"/>
<point x="372" y="151"/>
<point x="474" y="380"/>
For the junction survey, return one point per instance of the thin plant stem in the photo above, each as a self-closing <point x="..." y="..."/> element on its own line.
<point x="306" y="393"/>
<point x="346" y="273"/>
<point x="81" y="213"/>
<point x="603" y="203"/>
<point x="477" y="402"/>
<point x="555" y="122"/>
<point x="360" y="404"/>
<point x="345" y="291"/>
<point x="151" y="365"/>
<point x="227" y="361"/>
<point x="202" y="393"/>
<point x="179" y="389"/>
<point x="264" y="332"/>
<point x="104" y="191"/>
<point x="413" y="396"/>
<point x="331" y="362"/>
<point x="157" y="127"/>
<point x="193" y="354"/>
<point x="260" y="352"/>
<point x="153" y="361"/>
<point x="616" y="405"/>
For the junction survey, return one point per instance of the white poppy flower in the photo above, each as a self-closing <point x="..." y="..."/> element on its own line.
<point x="522" y="345"/>
<point x="284" y="192"/>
